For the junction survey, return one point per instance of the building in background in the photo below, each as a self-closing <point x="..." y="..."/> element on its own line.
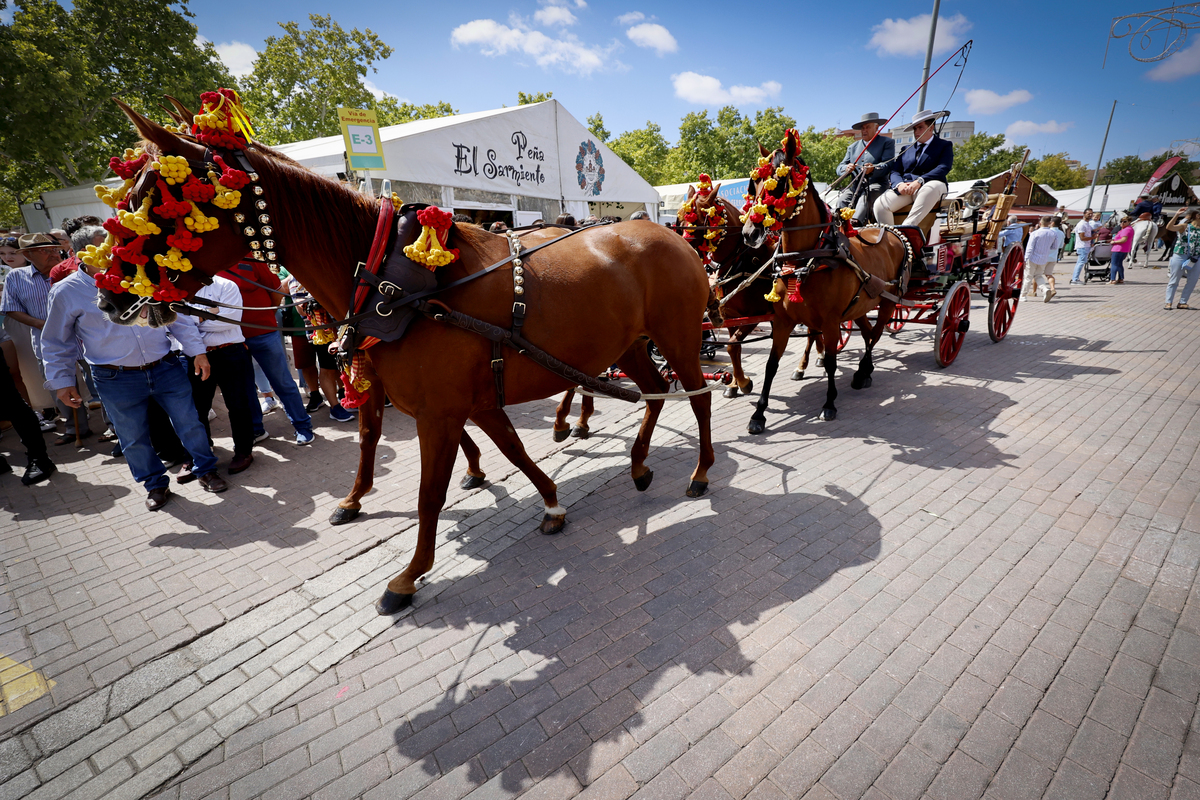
<point x="953" y="131"/>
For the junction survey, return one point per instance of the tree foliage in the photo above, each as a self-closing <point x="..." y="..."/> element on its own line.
<point x="1054" y="171"/>
<point x="595" y="124"/>
<point x="61" y="67"/>
<point x="822" y="151"/>
<point x="982" y="155"/>
<point x="646" y="151"/>
<point x="1135" y="169"/>
<point x="725" y="146"/>
<point x="391" y="111"/>
<point x="524" y="99"/>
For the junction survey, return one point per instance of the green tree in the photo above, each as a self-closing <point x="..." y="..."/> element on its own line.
<point x="595" y="124"/>
<point x="768" y="128"/>
<point x="646" y="151"/>
<point x="725" y="147"/>
<point x="1128" y="169"/>
<point x="822" y="151"/>
<point x="391" y="111"/>
<point x="1186" y="166"/>
<point x="1054" y="171"/>
<point x="61" y="67"/>
<point x="301" y="78"/>
<point x="538" y="97"/>
<point x="981" y="156"/>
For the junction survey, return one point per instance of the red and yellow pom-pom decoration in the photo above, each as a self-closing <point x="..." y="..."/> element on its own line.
<point x="169" y="293"/>
<point x="354" y="383"/>
<point x="230" y="178"/>
<point x="397" y="203"/>
<point x="712" y="217"/>
<point x="173" y="169"/>
<point x="222" y="121"/>
<point x="225" y="197"/>
<point x="198" y="191"/>
<point x="173" y="259"/>
<point x="197" y="222"/>
<point x="130" y="164"/>
<point x="110" y="197"/>
<point x="96" y="255"/>
<point x="139" y="221"/>
<point x="170" y="208"/>
<point x="767" y="209"/>
<point x="183" y="239"/>
<point x="430" y="247"/>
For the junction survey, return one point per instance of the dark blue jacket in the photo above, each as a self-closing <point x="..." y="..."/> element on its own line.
<point x="933" y="165"/>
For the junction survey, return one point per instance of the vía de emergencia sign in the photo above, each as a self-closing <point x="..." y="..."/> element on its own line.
<point x="521" y="165"/>
<point x="360" y="132"/>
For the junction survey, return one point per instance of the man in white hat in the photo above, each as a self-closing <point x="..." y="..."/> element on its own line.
<point x="865" y="157"/>
<point x="918" y="178"/>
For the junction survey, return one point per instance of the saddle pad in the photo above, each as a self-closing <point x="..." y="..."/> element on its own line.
<point x="397" y="268"/>
<point x="915" y="236"/>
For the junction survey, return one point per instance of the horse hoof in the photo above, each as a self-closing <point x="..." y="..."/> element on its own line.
<point x="731" y="392"/>
<point x="860" y="383"/>
<point x="391" y="602"/>
<point x="756" y="426"/>
<point x="473" y="481"/>
<point x="828" y="414"/>
<point x="341" y="516"/>
<point x="798" y="375"/>
<point x="643" y="483"/>
<point x="561" y="436"/>
<point x="697" y="488"/>
<point x="748" y="388"/>
<point x="580" y="432"/>
<point x="552" y="524"/>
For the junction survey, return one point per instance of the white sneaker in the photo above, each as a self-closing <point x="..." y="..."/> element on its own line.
<point x="270" y="404"/>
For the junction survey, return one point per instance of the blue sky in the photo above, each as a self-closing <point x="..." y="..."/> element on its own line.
<point x="1034" y="74"/>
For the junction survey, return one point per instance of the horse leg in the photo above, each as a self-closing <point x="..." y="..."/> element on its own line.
<point x="871" y="335"/>
<point x="587" y="407"/>
<point x="740" y="381"/>
<point x="561" y="429"/>
<point x="691" y="377"/>
<point x="439" y="439"/>
<point x="496" y="424"/>
<point x="798" y="375"/>
<point x="641" y="369"/>
<point x="370" y="426"/>
<point x="779" y="339"/>
<point x="831" y="335"/>
<point x="475" y="475"/>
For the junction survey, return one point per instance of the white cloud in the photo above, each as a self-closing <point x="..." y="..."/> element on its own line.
<point x="910" y="37"/>
<point x="1025" y="127"/>
<point x="707" y="91"/>
<point x="653" y="36"/>
<point x="555" y="15"/>
<point x="1183" y="64"/>
<point x="238" y="57"/>
<point x="566" y="53"/>
<point x="630" y="18"/>
<point x="985" y="101"/>
<point x="378" y="93"/>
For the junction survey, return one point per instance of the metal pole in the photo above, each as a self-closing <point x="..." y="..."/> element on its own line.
<point x="928" y="54"/>
<point x="1099" y="161"/>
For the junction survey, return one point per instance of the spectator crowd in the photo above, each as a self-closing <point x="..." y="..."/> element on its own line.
<point x="64" y="364"/>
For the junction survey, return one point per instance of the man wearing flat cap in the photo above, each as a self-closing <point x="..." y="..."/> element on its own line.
<point x="865" y="161"/>
<point x="26" y="299"/>
<point x="918" y="178"/>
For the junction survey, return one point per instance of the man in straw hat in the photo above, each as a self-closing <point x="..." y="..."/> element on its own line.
<point x="26" y="299"/>
<point x="869" y="166"/>
<point x="918" y="178"/>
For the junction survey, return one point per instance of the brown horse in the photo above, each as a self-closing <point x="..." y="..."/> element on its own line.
<point x="594" y="298"/>
<point x="827" y="290"/>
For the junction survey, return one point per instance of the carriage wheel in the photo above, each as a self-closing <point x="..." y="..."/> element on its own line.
<point x="1006" y="292"/>
<point x="844" y="334"/>
<point x="900" y="315"/>
<point x="952" y="324"/>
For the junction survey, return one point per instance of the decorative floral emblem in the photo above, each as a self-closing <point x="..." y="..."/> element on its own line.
<point x="589" y="168"/>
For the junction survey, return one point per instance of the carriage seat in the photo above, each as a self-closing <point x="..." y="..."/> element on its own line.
<point x="926" y="224"/>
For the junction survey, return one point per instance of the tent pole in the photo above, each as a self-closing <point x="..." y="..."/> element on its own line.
<point x="1096" y="171"/>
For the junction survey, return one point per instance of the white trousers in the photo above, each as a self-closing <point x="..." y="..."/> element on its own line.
<point x="918" y="205"/>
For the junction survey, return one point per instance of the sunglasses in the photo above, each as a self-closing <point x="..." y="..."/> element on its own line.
<point x="10" y="241"/>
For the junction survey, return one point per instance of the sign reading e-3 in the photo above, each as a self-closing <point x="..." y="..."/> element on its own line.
<point x="360" y="131"/>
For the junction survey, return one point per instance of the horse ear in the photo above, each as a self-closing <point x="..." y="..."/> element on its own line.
<point x="185" y="114"/>
<point x="151" y="131"/>
<point x="691" y="191"/>
<point x="763" y="151"/>
<point x="790" y="145"/>
<point x="716" y="189"/>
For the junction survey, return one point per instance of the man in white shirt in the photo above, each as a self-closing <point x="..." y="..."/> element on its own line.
<point x="1041" y="256"/>
<point x="1083" y="243"/>
<point x="232" y="370"/>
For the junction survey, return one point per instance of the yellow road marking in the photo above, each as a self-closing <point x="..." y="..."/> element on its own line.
<point x="20" y="685"/>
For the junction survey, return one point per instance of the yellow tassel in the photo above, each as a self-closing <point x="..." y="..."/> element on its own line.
<point x="768" y="221"/>
<point x="140" y="285"/>
<point x="174" y="259"/>
<point x="197" y="222"/>
<point x="775" y="289"/>
<point x="323" y="337"/>
<point x="428" y="250"/>
<point x="770" y="184"/>
<point x="396" y="201"/>
<point x="139" y="221"/>
<point x="96" y="256"/>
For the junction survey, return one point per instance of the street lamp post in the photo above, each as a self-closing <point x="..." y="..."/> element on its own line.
<point x="1099" y="161"/>
<point x="928" y="54"/>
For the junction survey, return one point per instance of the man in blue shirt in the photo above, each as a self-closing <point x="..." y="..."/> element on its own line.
<point x="131" y="364"/>
<point x="872" y="164"/>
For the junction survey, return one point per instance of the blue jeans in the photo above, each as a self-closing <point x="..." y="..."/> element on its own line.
<point x="1080" y="262"/>
<point x="127" y="394"/>
<point x="267" y="350"/>
<point x="1116" y="270"/>
<point x="1175" y="272"/>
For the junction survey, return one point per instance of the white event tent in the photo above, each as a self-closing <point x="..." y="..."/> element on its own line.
<point x="527" y="162"/>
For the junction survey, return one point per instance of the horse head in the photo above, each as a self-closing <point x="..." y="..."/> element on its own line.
<point x="195" y="202"/>
<point x="778" y="192"/>
<point x="704" y="220"/>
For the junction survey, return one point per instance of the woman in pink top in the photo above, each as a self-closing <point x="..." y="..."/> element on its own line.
<point x="1122" y="244"/>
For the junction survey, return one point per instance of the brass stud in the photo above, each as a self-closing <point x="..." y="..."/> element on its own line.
<point x="518" y="290"/>
<point x="248" y="230"/>
<point x="518" y="280"/>
<point x="271" y="255"/>
<point x="253" y="176"/>
<point x="239" y="218"/>
<point x="258" y="255"/>
<point x="518" y="271"/>
<point x="263" y="219"/>
<point x="255" y="245"/>
<point x="516" y="262"/>
<point x="266" y="231"/>
<point x="269" y="244"/>
<point x="258" y="190"/>
<point x="261" y="205"/>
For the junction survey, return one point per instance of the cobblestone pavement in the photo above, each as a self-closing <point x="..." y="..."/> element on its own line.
<point x="977" y="581"/>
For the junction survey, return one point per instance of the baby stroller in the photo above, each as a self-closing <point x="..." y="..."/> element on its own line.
<point x="1097" y="267"/>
